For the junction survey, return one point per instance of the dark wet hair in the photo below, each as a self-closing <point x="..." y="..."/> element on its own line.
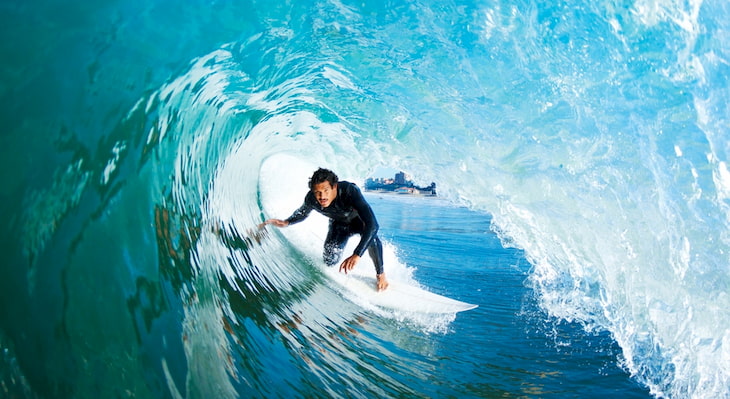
<point x="322" y="175"/>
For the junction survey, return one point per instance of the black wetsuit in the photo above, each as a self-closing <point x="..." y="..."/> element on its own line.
<point x="349" y="214"/>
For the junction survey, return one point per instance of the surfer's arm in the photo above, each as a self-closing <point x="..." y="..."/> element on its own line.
<point x="368" y="218"/>
<point x="301" y="213"/>
<point x="296" y="217"/>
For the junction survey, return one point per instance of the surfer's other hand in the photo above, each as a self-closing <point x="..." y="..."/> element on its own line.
<point x="382" y="283"/>
<point x="349" y="263"/>
<point x="275" y="222"/>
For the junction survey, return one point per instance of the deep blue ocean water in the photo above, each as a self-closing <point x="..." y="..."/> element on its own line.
<point x="507" y="346"/>
<point x="581" y="154"/>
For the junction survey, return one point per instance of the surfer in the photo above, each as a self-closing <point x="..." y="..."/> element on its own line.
<point x="349" y="214"/>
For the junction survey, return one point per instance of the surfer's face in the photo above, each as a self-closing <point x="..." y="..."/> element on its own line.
<point x="325" y="193"/>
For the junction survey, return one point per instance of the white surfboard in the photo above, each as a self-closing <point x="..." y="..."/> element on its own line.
<point x="398" y="296"/>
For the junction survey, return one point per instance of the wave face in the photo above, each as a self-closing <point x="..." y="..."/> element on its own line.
<point x="594" y="132"/>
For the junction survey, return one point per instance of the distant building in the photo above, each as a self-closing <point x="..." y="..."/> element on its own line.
<point x="401" y="185"/>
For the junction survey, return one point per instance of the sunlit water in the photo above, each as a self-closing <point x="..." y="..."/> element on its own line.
<point x="580" y="150"/>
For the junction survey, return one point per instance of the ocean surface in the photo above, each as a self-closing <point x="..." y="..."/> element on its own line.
<point x="580" y="151"/>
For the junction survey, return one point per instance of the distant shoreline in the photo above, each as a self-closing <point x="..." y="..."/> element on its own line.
<point x="404" y="194"/>
<point x="400" y="185"/>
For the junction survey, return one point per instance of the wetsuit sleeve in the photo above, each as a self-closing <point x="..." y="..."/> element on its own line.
<point x="301" y="213"/>
<point x="368" y="218"/>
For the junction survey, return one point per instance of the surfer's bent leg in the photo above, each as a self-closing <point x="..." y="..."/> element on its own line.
<point x="335" y="243"/>
<point x="375" y="250"/>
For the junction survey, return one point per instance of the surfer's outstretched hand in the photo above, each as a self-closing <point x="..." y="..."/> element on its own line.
<point x="349" y="263"/>
<point x="275" y="222"/>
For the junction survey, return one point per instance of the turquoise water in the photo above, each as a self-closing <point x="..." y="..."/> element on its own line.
<point x="580" y="147"/>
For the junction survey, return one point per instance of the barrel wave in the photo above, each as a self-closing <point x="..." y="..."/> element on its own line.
<point x="139" y="154"/>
